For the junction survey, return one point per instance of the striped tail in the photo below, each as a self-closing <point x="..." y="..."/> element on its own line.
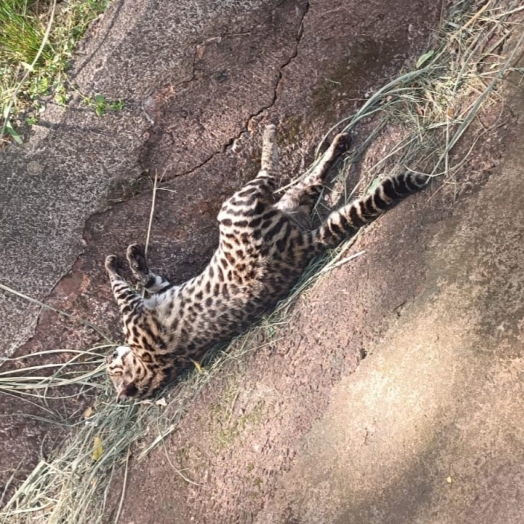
<point x="347" y="220"/>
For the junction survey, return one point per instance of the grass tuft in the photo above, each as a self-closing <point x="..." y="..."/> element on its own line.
<point x="37" y="40"/>
<point x="22" y="33"/>
<point x="428" y="110"/>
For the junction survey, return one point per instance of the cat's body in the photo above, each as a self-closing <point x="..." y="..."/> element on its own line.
<point x="263" y="251"/>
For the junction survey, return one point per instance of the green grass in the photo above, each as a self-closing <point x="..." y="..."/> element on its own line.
<point x="37" y="40"/>
<point x="22" y="33"/>
<point x="428" y="109"/>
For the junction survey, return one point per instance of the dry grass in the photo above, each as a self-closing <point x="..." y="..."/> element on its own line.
<point x="429" y="108"/>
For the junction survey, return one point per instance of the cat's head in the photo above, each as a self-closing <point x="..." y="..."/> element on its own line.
<point x="122" y="368"/>
<point x="132" y="376"/>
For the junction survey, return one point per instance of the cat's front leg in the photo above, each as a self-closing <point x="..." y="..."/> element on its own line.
<point x="127" y="298"/>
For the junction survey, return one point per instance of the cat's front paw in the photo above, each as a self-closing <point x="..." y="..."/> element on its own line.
<point x="137" y="261"/>
<point x="342" y="142"/>
<point x="112" y="264"/>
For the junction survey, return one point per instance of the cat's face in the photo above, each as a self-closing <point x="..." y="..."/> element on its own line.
<point x="122" y="369"/>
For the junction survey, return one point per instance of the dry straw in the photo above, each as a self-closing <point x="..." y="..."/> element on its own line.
<point x="430" y="108"/>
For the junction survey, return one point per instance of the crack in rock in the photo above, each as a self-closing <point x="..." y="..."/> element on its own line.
<point x="230" y="143"/>
<point x="245" y="128"/>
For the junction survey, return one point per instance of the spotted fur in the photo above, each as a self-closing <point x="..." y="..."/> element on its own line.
<point x="262" y="252"/>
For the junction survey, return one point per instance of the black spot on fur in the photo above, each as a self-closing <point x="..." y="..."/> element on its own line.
<point x="255" y="222"/>
<point x="274" y="230"/>
<point x="281" y="244"/>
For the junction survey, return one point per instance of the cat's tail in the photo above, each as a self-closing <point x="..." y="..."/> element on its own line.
<point x="344" y="222"/>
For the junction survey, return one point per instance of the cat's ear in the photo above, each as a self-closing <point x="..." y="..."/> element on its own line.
<point x="126" y="391"/>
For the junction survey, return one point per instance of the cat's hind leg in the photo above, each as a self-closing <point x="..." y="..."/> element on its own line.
<point x="302" y="196"/>
<point x="256" y="197"/>
<point x="264" y="184"/>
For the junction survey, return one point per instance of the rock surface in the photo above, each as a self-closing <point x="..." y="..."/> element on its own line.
<point x="426" y="427"/>
<point x="198" y="82"/>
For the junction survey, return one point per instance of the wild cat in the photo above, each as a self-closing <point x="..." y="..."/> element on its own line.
<point x="263" y="250"/>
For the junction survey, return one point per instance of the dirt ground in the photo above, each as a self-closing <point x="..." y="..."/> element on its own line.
<point x="393" y="392"/>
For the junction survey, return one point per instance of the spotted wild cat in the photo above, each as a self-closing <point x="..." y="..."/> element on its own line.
<point x="262" y="252"/>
